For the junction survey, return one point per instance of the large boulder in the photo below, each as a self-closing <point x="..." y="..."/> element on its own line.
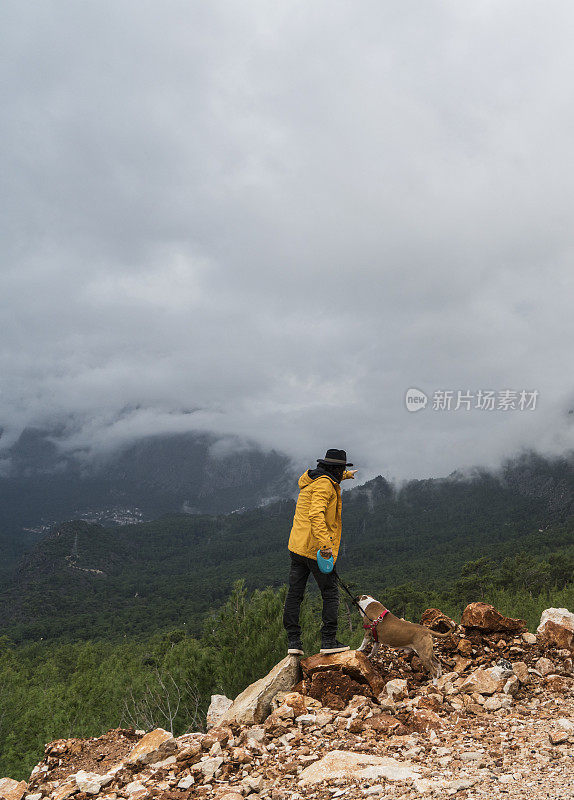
<point x="12" y="790"/>
<point x="557" y="628"/>
<point x="437" y="621"/>
<point x="253" y="705"/>
<point x="351" y="662"/>
<point x="486" y="681"/>
<point x="154" y="746"/>
<point x="488" y="620"/>
<point x="217" y="708"/>
<point x="345" y="764"/>
<point x="91" y="782"/>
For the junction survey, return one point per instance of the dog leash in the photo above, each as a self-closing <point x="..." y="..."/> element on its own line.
<point x="373" y="622"/>
<point x="346" y="588"/>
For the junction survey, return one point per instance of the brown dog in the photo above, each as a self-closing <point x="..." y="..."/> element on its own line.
<point x="396" y="632"/>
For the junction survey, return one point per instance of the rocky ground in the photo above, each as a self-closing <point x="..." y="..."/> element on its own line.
<point x="498" y="723"/>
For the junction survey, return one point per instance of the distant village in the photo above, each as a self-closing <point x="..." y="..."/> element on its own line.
<point x="104" y="516"/>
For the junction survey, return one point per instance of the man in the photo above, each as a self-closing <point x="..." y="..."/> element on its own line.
<point x="316" y="526"/>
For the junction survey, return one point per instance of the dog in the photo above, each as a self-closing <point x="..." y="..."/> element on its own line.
<point x="396" y="632"/>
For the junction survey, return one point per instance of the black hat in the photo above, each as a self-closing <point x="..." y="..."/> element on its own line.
<point x="333" y="456"/>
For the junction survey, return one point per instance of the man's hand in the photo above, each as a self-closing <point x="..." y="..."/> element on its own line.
<point x="351" y="473"/>
<point x="326" y="552"/>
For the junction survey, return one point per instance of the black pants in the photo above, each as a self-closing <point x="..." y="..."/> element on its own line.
<point x="301" y="567"/>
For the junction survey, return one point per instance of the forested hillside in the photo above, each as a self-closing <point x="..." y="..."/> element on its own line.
<point x="84" y="581"/>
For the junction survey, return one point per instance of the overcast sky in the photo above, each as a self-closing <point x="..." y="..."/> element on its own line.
<point x="281" y="216"/>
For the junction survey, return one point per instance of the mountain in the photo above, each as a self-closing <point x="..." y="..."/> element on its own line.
<point x="84" y="580"/>
<point x="41" y="484"/>
<point x="549" y="479"/>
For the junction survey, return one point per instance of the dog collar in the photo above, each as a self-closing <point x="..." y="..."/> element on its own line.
<point x="372" y="626"/>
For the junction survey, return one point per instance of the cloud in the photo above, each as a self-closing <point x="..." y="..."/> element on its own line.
<point x="282" y="217"/>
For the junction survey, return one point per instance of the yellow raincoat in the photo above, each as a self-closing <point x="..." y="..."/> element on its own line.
<point x="317" y="520"/>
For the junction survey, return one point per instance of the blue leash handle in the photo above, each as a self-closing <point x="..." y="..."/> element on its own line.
<point x="325" y="564"/>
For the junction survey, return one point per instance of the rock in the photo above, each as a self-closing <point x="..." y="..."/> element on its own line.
<point x="386" y="724"/>
<point x="167" y="762"/>
<point x="521" y="671"/>
<point x="471" y="755"/>
<point x="91" y="782"/>
<point x="286" y="712"/>
<point x="210" y="766"/>
<point x="256" y="733"/>
<point x="558" y="737"/>
<point x="487" y="618"/>
<point x="362" y="766"/>
<point x="223" y="734"/>
<point x="253" y="783"/>
<point x="485" y="681"/>
<point x="566" y="724"/>
<point x="278" y="721"/>
<point x="217" y="708"/>
<point x="324" y="718"/>
<point x="511" y="686"/>
<point x="464" y="647"/>
<point x="63" y="792"/>
<point x="154" y="746"/>
<point x="544" y="666"/>
<point x="190" y="753"/>
<point x="300" y="689"/>
<point x="560" y="616"/>
<point x="297" y="702"/>
<point x="207" y="741"/>
<point x="396" y="689"/>
<point x="351" y="662"/>
<point x="356" y="725"/>
<point x="559" y="683"/>
<point x="496" y="702"/>
<point x="431" y="701"/>
<point x="134" y="788"/>
<point x="460" y="784"/>
<point x="424" y="719"/>
<point x="215" y="750"/>
<point x="240" y="755"/>
<point x="186" y="783"/>
<point x="529" y="638"/>
<point x="445" y="684"/>
<point x="557" y="628"/>
<point x="306" y="719"/>
<point x="461" y="663"/>
<point x="12" y="790"/>
<point x="437" y="621"/>
<point x="492" y="704"/>
<point x="253" y="705"/>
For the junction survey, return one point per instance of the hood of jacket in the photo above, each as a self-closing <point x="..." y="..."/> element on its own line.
<point x="311" y="475"/>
